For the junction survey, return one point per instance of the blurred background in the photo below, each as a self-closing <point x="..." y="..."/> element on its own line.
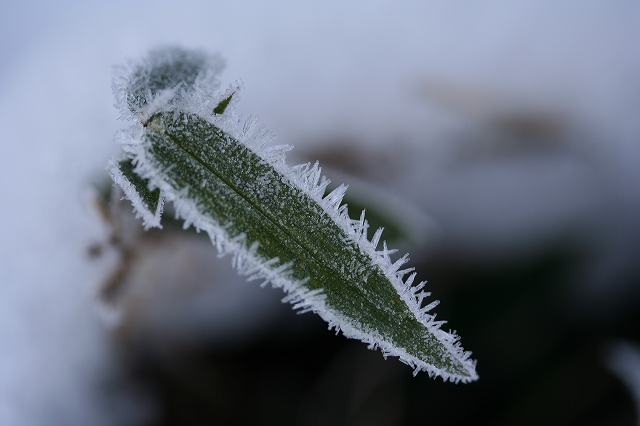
<point x="497" y="141"/>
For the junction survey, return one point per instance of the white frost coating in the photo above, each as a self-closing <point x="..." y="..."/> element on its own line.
<point x="309" y="179"/>
<point x="150" y="219"/>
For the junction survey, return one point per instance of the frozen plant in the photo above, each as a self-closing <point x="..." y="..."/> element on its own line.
<point x="188" y="146"/>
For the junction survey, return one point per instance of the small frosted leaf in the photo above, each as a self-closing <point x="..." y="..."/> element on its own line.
<point x="167" y="75"/>
<point x="150" y="199"/>
<point x="147" y="203"/>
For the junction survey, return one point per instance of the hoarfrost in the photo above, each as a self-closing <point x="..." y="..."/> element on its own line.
<point x="165" y="77"/>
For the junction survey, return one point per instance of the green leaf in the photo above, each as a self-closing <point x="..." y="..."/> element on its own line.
<point x="280" y="226"/>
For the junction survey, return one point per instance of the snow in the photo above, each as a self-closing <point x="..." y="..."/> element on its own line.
<point x="55" y="353"/>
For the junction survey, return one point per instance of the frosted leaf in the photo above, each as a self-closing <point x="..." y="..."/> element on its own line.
<point x="167" y="75"/>
<point x="280" y="228"/>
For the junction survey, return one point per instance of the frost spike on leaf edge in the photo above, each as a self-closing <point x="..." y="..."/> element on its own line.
<point x="308" y="179"/>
